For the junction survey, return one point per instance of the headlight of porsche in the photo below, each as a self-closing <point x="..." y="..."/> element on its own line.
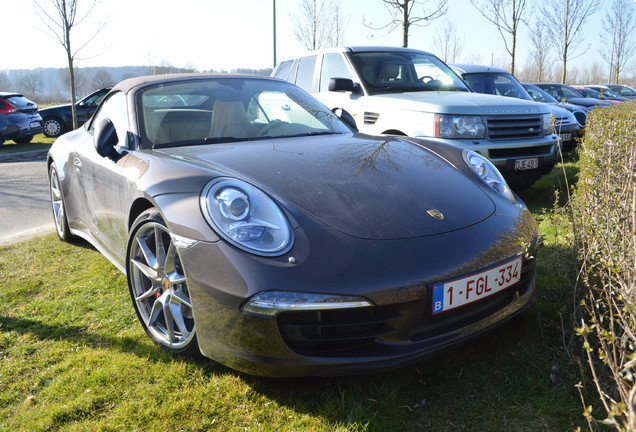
<point x="455" y="126"/>
<point x="246" y="217"/>
<point x="488" y="173"/>
<point x="270" y="303"/>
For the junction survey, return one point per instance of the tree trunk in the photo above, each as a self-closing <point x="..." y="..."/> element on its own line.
<point x="71" y="74"/>
<point x="514" y="37"/>
<point x="405" y="24"/>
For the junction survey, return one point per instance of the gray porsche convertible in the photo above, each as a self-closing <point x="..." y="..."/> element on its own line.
<point x="260" y="229"/>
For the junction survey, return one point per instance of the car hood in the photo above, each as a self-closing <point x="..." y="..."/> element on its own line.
<point x="456" y="102"/>
<point x="586" y="102"/>
<point x="366" y="187"/>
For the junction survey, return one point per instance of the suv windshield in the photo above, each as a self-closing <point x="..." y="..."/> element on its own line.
<point x="220" y="110"/>
<point x="395" y="72"/>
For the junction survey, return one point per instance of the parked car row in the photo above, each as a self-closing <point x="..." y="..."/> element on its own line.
<point x="20" y="119"/>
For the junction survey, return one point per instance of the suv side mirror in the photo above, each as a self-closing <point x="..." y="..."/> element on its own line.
<point x="105" y="139"/>
<point x="343" y="84"/>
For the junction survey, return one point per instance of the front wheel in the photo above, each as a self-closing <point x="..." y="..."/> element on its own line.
<point x="158" y="286"/>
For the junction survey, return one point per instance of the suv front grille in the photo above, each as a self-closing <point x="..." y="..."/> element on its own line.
<point x="514" y="127"/>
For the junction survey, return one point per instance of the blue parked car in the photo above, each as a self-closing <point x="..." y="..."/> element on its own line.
<point x="19" y="118"/>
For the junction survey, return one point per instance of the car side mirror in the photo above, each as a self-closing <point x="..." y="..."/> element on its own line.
<point x="105" y="139"/>
<point x="346" y="119"/>
<point x="343" y="84"/>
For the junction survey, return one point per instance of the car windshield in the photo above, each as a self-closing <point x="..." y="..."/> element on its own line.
<point x="495" y="83"/>
<point x="589" y="93"/>
<point x="623" y="90"/>
<point x="216" y="110"/>
<point x="559" y="91"/>
<point x="539" y="95"/>
<point x="404" y="71"/>
<point x="607" y="92"/>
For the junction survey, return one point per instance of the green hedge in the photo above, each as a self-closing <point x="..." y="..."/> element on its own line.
<point x="604" y="213"/>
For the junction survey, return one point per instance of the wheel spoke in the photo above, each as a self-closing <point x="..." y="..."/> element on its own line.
<point x="179" y="297"/>
<point x="178" y="320"/>
<point x="161" y="251"/>
<point x="152" y="292"/>
<point x="147" y="253"/>
<point x="168" y="317"/>
<point x="147" y="271"/>
<point x="157" y="308"/>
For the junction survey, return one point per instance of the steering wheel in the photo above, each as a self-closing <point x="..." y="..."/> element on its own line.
<point x="268" y="127"/>
<point x="425" y="77"/>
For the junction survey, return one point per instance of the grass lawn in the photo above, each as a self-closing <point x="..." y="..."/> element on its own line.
<point x="40" y="142"/>
<point x="74" y="358"/>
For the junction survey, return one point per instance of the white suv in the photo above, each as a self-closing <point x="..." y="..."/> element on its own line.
<point x="409" y="92"/>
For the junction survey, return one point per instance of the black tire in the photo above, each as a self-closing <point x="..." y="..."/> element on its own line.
<point x="23" y="140"/>
<point x="53" y="127"/>
<point x="58" y="206"/>
<point x="153" y="285"/>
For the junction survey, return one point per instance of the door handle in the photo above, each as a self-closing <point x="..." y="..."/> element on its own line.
<point x="78" y="164"/>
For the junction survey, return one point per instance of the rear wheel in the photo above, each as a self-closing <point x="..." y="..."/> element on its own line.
<point x="57" y="204"/>
<point x="53" y="127"/>
<point x="158" y="286"/>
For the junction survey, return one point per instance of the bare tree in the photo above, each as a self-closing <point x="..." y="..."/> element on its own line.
<point x="506" y="15"/>
<point x="339" y="23"/>
<point x="618" y="27"/>
<point x="541" y="46"/>
<point x="79" y="77"/>
<point x="5" y="81"/>
<point x="61" y="17"/>
<point x="315" y="24"/>
<point x="402" y="15"/>
<point x="448" y="44"/>
<point x="30" y="83"/>
<point x="102" y="78"/>
<point x="564" y="21"/>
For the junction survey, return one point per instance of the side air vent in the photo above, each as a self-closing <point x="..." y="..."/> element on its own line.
<point x="370" y="118"/>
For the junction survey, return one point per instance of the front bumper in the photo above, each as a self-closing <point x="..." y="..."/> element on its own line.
<point x="395" y="275"/>
<point x="504" y="153"/>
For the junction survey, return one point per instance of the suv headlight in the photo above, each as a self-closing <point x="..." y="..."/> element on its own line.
<point x="547" y="124"/>
<point x="246" y="217"/>
<point x="488" y="173"/>
<point x="455" y="126"/>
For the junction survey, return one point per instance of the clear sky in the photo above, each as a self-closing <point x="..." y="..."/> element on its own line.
<point x="227" y="34"/>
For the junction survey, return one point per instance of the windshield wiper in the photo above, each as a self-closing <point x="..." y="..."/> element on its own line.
<point x="202" y="141"/>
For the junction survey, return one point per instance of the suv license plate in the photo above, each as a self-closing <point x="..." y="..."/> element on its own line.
<point x="35" y="124"/>
<point x="526" y="164"/>
<point x="459" y="292"/>
<point x="565" y="137"/>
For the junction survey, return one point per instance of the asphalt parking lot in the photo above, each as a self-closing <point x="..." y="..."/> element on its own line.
<point x="25" y="209"/>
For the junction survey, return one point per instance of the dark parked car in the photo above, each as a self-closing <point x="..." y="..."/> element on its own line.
<point x="19" y="118"/>
<point x="59" y="119"/>
<point x="255" y="226"/>
<point x="496" y="81"/>
<point x="593" y="94"/>
<point x="623" y="90"/>
<point x="608" y="93"/>
<point x="565" y="93"/>
<point x="540" y="95"/>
